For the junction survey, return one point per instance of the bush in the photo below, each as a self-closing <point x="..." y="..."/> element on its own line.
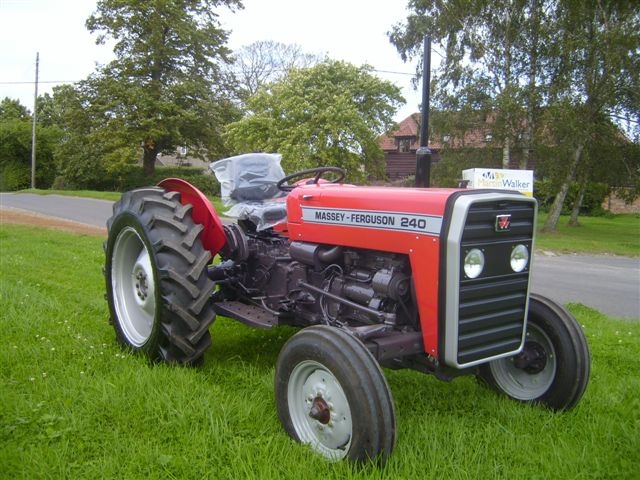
<point x="128" y="177"/>
<point x="545" y="192"/>
<point x="448" y="170"/>
<point x="14" y="176"/>
<point x="15" y="155"/>
<point x="135" y="178"/>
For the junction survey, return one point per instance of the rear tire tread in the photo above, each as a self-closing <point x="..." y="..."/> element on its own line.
<point x="181" y="261"/>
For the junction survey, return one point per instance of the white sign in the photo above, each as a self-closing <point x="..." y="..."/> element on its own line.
<point x="519" y="180"/>
<point x="404" y="222"/>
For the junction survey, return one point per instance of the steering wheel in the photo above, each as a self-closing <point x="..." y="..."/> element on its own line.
<point x="315" y="172"/>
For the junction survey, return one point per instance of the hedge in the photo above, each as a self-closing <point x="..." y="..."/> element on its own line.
<point x="132" y="176"/>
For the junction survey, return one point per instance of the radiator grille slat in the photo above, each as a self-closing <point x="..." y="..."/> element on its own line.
<point x="509" y="331"/>
<point x="474" y="354"/>
<point x="481" y="220"/>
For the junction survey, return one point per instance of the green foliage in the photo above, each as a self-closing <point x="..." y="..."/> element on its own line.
<point x="492" y="61"/>
<point x="78" y="155"/>
<point x="11" y="109"/>
<point x="128" y="177"/>
<point x="14" y="176"/>
<point x="448" y="170"/>
<point x="15" y="154"/>
<point x="329" y="114"/>
<point x="595" y="195"/>
<point x="133" y="177"/>
<point x="553" y="74"/>
<point x="95" y="155"/>
<point x="15" y="141"/>
<point x="165" y="88"/>
<point x="608" y="234"/>
<point x="627" y="184"/>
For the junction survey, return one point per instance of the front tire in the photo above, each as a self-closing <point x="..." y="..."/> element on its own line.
<point x="553" y="368"/>
<point x="156" y="277"/>
<point x="332" y="395"/>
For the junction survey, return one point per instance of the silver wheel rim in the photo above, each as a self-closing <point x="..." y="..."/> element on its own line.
<point x="517" y="382"/>
<point x="133" y="287"/>
<point x="311" y="384"/>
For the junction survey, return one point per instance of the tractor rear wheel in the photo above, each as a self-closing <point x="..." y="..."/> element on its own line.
<point x="156" y="277"/>
<point x="553" y="367"/>
<point x="332" y="395"/>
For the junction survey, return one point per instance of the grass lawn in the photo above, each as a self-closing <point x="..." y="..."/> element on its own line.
<point x="73" y="405"/>
<point x="113" y="196"/>
<point x="616" y="234"/>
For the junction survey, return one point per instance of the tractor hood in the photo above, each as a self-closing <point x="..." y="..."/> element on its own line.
<point x="365" y="217"/>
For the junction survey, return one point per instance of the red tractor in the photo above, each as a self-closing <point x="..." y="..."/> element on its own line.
<point x="435" y="280"/>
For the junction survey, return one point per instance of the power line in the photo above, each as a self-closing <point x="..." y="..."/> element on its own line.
<point x="395" y="73"/>
<point x="31" y="82"/>
<point x="41" y="81"/>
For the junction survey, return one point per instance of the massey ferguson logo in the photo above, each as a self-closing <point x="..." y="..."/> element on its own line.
<point x="503" y="223"/>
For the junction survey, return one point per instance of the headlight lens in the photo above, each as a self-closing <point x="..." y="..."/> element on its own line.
<point x="474" y="263"/>
<point x="519" y="258"/>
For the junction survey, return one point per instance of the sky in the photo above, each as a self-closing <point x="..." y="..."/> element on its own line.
<point x="350" y="30"/>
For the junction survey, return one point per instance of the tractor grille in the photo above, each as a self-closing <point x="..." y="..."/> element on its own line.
<point x="490" y="316"/>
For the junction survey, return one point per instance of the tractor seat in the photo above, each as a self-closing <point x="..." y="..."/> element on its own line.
<point x="248" y="185"/>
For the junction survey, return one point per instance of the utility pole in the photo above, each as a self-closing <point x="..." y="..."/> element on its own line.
<point x="33" y="130"/>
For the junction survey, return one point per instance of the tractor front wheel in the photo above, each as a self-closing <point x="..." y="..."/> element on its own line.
<point x="553" y="367"/>
<point x="156" y="277"/>
<point x="332" y="395"/>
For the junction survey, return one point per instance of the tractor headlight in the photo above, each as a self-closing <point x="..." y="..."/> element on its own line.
<point x="519" y="258"/>
<point x="474" y="263"/>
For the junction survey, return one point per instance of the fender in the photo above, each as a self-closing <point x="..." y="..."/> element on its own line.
<point x="213" y="237"/>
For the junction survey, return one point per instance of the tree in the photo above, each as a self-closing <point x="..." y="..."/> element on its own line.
<point x="491" y="62"/>
<point x="88" y="138"/>
<point x="266" y="61"/>
<point x="595" y="74"/>
<point x="15" y="153"/>
<point x="165" y="88"/>
<point x="329" y="114"/>
<point x="579" y="60"/>
<point x="11" y="109"/>
<point x="15" y="148"/>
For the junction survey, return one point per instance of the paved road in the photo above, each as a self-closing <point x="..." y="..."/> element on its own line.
<point x="609" y="284"/>
<point x="84" y="210"/>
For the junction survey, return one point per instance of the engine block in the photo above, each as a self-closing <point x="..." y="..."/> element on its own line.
<point x="307" y="283"/>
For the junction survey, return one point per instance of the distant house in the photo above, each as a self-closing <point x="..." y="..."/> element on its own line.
<point x="180" y="159"/>
<point x="400" y="145"/>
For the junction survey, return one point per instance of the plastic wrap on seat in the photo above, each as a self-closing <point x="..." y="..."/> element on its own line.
<point x="248" y="186"/>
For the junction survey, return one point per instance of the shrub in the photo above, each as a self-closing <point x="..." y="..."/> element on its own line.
<point x="448" y="170"/>
<point x="128" y="177"/>
<point x="545" y="192"/>
<point x="14" y="176"/>
<point x="15" y="155"/>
